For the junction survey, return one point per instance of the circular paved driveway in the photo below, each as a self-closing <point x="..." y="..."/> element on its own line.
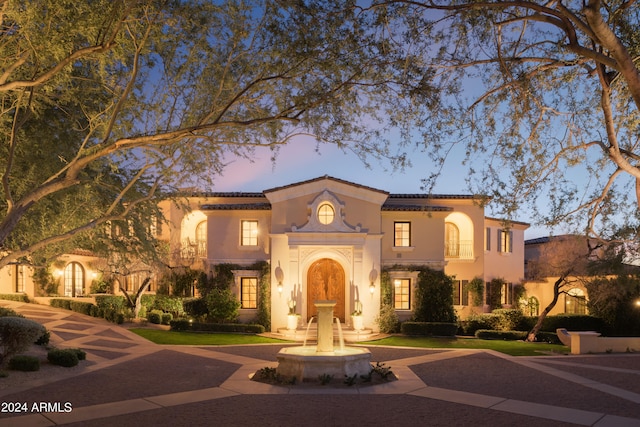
<point x="127" y="380"/>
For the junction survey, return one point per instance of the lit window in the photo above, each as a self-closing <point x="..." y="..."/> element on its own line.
<point x="249" y="233"/>
<point x="402" y="294"/>
<point x="326" y="214"/>
<point x="248" y="292"/>
<point x="402" y="234"/>
<point x="505" y="237"/>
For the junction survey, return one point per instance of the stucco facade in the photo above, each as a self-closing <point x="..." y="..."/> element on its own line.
<point x="327" y="238"/>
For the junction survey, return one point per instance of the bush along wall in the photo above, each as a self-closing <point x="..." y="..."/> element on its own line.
<point x="109" y="307"/>
<point x="219" y="307"/>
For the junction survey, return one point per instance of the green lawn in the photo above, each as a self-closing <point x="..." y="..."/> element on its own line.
<point x="514" y="348"/>
<point x="195" y="338"/>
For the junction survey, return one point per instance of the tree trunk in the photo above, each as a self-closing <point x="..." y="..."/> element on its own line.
<point x="134" y="303"/>
<point x="531" y="336"/>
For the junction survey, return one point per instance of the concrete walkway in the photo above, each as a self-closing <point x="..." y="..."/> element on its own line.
<point x="127" y="380"/>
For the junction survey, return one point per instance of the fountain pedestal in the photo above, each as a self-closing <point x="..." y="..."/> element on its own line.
<point x="325" y="326"/>
<point x="307" y="363"/>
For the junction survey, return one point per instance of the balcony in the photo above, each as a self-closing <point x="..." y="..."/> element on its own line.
<point x="193" y="250"/>
<point x="462" y="249"/>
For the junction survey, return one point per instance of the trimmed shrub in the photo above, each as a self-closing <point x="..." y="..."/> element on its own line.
<point x="44" y="339"/>
<point x="60" y="303"/>
<point x="24" y="363"/>
<point x="507" y="319"/>
<point x="475" y="322"/>
<point x="223" y="305"/>
<point x="60" y="357"/>
<point x="166" y="318"/>
<point x="168" y="304"/>
<point x="433" y="297"/>
<point x="185" y="325"/>
<point x="485" y="334"/>
<point x="440" y="329"/>
<point x="80" y="354"/>
<point x="195" y="307"/>
<point x="7" y="312"/>
<point x="387" y="319"/>
<point x="154" y="316"/>
<point x="16" y="335"/>
<point x="110" y="302"/>
<point x="15" y="297"/>
<point x="82" y="307"/>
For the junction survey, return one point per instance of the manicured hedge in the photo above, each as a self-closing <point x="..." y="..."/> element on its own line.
<point x="185" y="325"/>
<point x="24" y="363"/>
<point x="60" y="303"/>
<point x="439" y="329"/>
<point x="573" y="322"/>
<point x="494" y="321"/>
<point x="15" y="297"/>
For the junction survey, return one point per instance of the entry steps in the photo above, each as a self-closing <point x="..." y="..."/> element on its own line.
<point x="350" y="335"/>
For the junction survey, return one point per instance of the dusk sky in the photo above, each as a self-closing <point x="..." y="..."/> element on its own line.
<point x="299" y="161"/>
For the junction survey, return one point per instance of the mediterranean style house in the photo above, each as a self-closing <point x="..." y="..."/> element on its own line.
<point x="330" y="239"/>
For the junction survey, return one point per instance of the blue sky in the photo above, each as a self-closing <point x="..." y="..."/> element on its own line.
<point x="300" y="161"/>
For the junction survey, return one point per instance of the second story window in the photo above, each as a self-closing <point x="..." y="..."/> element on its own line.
<point x="201" y="239"/>
<point x="249" y="233"/>
<point x="402" y="234"/>
<point x="505" y="238"/>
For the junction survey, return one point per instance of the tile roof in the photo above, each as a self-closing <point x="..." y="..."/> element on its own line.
<point x="414" y="208"/>
<point x="237" y="207"/>
<point x="320" y="178"/>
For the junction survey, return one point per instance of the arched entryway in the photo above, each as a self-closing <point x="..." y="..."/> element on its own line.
<point x="325" y="281"/>
<point x="73" y="280"/>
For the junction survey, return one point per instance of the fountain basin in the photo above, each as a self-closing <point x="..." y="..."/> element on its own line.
<point x="307" y="363"/>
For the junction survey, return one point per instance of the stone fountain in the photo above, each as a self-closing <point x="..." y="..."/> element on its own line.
<point x="305" y="363"/>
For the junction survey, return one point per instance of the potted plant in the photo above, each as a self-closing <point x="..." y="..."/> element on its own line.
<point x="292" y="318"/>
<point x="356" y="316"/>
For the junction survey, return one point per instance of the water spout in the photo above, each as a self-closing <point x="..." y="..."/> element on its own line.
<point x="340" y="336"/>
<point x="306" y="334"/>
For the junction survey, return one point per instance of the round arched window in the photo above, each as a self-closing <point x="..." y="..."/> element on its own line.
<point x="326" y="214"/>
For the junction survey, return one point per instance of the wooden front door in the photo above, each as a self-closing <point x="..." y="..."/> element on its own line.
<point x="325" y="281"/>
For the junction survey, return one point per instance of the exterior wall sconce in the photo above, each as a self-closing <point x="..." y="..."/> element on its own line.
<point x="279" y="277"/>
<point x="373" y="275"/>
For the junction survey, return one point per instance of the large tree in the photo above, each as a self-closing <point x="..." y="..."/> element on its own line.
<point x="541" y="100"/>
<point x="106" y="104"/>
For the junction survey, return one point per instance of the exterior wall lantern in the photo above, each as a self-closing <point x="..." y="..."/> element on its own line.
<point x="279" y="277"/>
<point x="373" y="275"/>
